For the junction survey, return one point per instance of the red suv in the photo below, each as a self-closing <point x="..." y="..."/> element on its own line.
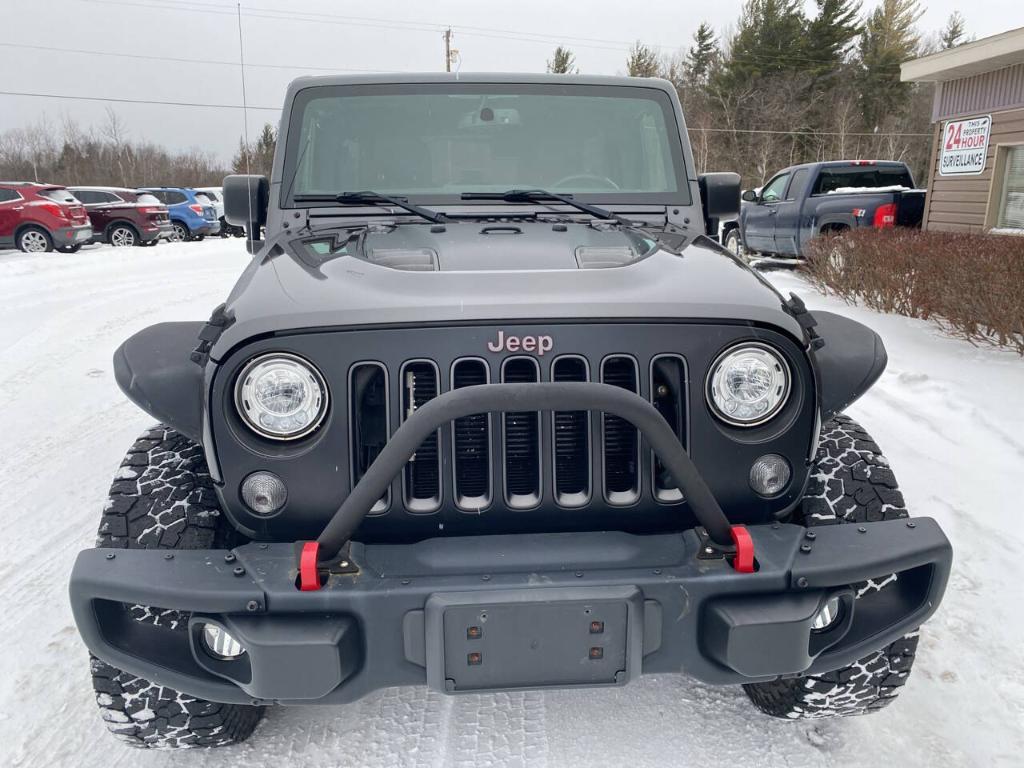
<point x="124" y="217"/>
<point x="40" y="217"/>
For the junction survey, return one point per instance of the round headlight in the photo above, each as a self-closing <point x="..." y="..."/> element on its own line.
<point x="748" y="385"/>
<point x="281" y="396"/>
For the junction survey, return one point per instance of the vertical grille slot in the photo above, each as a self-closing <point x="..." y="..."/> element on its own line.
<point x="422" y="475"/>
<point x="368" y="421"/>
<point x="621" y="439"/>
<point x="571" y="436"/>
<point x="521" y="440"/>
<point x="471" y="443"/>
<point x="668" y="394"/>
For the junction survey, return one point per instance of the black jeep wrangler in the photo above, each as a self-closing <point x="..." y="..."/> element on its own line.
<point x="488" y="410"/>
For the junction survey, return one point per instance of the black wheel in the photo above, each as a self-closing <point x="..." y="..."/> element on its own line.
<point x="199" y="238"/>
<point x="851" y="483"/>
<point x="34" y="240"/>
<point x="70" y="248"/>
<point x="122" y="236"/>
<point x="179" y="233"/>
<point x="163" y="498"/>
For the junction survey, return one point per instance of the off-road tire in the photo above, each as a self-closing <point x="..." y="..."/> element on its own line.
<point x="851" y="483"/>
<point x="162" y="498"/>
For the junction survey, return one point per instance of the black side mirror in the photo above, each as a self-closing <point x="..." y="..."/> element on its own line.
<point x="749" y="196"/>
<point x="720" y="194"/>
<point x="246" y="198"/>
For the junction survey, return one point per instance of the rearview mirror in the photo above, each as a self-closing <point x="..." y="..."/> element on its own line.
<point x="246" y="198"/>
<point x="749" y="196"/>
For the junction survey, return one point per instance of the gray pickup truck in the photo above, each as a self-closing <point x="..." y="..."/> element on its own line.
<point x="804" y="201"/>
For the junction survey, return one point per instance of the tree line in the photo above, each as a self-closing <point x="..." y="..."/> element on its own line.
<point x="787" y="87"/>
<point x="104" y="155"/>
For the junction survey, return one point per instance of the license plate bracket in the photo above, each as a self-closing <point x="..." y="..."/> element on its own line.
<point x="535" y="638"/>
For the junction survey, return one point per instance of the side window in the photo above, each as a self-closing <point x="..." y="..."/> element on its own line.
<point x="172" y="197"/>
<point x="772" y="193"/>
<point x="86" y="196"/>
<point x="8" y="195"/>
<point x="107" y="197"/>
<point x="798" y="184"/>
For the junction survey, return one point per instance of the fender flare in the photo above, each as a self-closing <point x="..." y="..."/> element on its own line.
<point x="848" y="364"/>
<point x="154" y="369"/>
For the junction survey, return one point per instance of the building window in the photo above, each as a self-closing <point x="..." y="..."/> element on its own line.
<point x="1008" y="197"/>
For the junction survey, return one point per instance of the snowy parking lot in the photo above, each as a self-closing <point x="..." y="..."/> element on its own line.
<point x="950" y="416"/>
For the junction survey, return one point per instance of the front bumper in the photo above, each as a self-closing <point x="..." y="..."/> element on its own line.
<point x="511" y="612"/>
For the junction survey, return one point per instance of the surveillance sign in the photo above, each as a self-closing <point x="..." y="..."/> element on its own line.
<point x="965" y="146"/>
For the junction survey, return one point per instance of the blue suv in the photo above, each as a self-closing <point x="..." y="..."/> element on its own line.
<point x="193" y="215"/>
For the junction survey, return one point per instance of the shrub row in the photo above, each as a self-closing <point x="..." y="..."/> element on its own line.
<point x="971" y="285"/>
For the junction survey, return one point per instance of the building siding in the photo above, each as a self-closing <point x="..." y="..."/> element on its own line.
<point x="959" y="203"/>
<point x="987" y="92"/>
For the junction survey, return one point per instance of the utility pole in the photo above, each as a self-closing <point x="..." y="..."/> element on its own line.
<point x="448" y="50"/>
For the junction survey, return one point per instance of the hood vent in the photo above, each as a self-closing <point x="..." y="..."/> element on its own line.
<point x="408" y="260"/>
<point x="594" y="257"/>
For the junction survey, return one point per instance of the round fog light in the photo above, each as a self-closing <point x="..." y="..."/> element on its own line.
<point x="264" y="493"/>
<point x="769" y="475"/>
<point x="220" y="644"/>
<point x="828" y="615"/>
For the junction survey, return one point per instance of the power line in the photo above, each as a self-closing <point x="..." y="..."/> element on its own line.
<point x="435" y="27"/>
<point x="148" y="57"/>
<point x="134" y="101"/>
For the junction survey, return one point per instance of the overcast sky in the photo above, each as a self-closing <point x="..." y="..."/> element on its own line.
<point x="299" y="37"/>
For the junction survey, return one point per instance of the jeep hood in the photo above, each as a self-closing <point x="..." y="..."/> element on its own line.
<point x="505" y="277"/>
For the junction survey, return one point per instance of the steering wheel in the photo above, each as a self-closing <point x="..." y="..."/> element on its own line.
<point x="589" y="177"/>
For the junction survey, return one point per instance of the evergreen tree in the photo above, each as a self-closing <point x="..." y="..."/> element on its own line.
<point x="257" y="157"/>
<point x="702" y="56"/>
<point x="643" y="61"/>
<point x="830" y="34"/>
<point x="890" y="37"/>
<point x="953" y="33"/>
<point x="563" y="62"/>
<point x="768" y="41"/>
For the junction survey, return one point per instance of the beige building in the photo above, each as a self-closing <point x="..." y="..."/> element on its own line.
<point x="976" y="176"/>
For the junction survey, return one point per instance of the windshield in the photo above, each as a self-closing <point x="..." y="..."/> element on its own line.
<point x="611" y="144"/>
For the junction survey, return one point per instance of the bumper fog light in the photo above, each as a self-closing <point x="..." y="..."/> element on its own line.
<point x="220" y="644"/>
<point x="264" y="493"/>
<point x="769" y="475"/>
<point x="828" y="615"/>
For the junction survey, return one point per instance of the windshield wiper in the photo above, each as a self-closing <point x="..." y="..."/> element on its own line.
<point x="542" y="195"/>
<point x="375" y="198"/>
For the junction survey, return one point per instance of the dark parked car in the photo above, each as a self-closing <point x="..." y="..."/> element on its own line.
<point x="804" y="201"/>
<point x="193" y="215"/>
<point x="504" y="418"/>
<point x="37" y="218"/>
<point x="124" y="217"/>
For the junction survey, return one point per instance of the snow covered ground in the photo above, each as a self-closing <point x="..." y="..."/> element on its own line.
<point x="950" y="417"/>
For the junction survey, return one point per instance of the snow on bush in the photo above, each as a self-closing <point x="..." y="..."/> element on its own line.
<point x="971" y="285"/>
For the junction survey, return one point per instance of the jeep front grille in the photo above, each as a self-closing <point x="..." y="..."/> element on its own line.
<point x="521" y="436"/>
<point x="577" y="458"/>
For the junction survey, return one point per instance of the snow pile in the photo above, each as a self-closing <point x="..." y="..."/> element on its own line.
<point x="948" y="415"/>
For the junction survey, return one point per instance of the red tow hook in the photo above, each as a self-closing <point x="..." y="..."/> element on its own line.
<point x="309" y="576"/>
<point x="743" y="562"/>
